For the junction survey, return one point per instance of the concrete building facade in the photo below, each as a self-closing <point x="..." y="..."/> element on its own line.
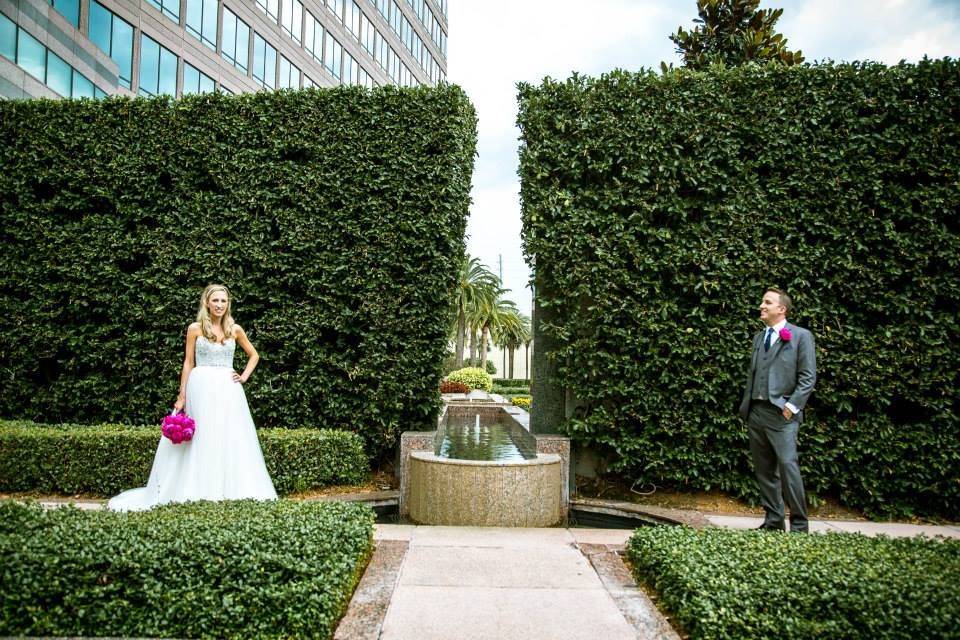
<point x="95" y="48"/>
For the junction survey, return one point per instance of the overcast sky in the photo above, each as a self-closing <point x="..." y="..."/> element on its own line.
<point x="496" y="43"/>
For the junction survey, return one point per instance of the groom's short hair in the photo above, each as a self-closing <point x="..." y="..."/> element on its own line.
<point x="784" y="298"/>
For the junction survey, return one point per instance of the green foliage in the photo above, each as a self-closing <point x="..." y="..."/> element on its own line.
<point x="733" y="32"/>
<point x="490" y="368"/>
<point x="659" y="207"/>
<point x="521" y="401"/>
<point x="106" y="459"/>
<point x="721" y="584"/>
<point x="473" y="377"/>
<point x="335" y="216"/>
<point x="513" y="382"/>
<point x="510" y="390"/>
<point x="277" y="569"/>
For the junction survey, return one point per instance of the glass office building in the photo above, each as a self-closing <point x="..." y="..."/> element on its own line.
<point x="93" y="48"/>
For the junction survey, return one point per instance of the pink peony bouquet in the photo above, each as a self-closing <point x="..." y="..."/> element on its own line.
<point x="179" y="427"/>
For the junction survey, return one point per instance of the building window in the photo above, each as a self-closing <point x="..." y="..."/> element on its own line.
<point x="114" y="37"/>
<point x="367" y="33"/>
<point x="308" y="83"/>
<point x="169" y="8"/>
<point x="271" y="8"/>
<point x="351" y="70"/>
<point x="293" y="18"/>
<point x="381" y="47"/>
<point x="31" y="55"/>
<point x="336" y="6"/>
<point x="202" y="21"/>
<point x="223" y="89"/>
<point x="313" y="37"/>
<point x="333" y="54"/>
<point x="82" y="87"/>
<point x="69" y="9"/>
<point x="352" y="19"/>
<point x="289" y="75"/>
<point x="395" y="17"/>
<point x="236" y="40"/>
<point x="59" y="74"/>
<point x="158" y="68"/>
<point x="196" y="81"/>
<point x="264" y="62"/>
<point x="8" y="38"/>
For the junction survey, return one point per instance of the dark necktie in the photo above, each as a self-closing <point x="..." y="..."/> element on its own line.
<point x="768" y="339"/>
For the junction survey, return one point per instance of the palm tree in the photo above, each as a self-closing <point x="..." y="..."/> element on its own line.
<point x="489" y="318"/>
<point x="477" y="285"/>
<point x="515" y="331"/>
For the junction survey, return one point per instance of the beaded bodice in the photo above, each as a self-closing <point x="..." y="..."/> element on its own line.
<point x="214" y="354"/>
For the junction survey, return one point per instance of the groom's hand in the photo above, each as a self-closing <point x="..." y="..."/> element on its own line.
<point x="787" y="413"/>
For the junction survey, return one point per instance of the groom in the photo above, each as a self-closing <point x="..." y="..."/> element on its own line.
<point x="783" y="370"/>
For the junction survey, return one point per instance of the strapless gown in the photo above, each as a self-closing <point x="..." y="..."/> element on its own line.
<point x="223" y="461"/>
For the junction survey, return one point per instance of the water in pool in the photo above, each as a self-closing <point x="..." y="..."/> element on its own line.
<point x="470" y="438"/>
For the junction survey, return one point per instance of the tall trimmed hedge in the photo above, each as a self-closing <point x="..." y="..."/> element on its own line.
<point x="659" y="207"/>
<point x="336" y="217"/>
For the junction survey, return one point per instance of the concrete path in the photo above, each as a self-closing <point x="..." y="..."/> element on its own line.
<point x="484" y="582"/>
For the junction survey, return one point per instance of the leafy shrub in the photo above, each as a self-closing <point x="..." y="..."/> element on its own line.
<point x="352" y="204"/>
<point x="725" y="584"/>
<point x="521" y="401"/>
<point x="451" y="386"/>
<point x="472" y="377"/>
<point x="106" y="459"/>
<point x="513" y="382"/>
<point x="276" y="569"/>
<point x="491" y="368"/>
<point x="659" y="207"/>
<point x="510" y="390"/>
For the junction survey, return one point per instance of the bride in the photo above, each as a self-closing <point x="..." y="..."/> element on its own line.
<point x="223" y="461"/>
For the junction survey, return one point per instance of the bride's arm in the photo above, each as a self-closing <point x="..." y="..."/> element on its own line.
<point x="192" y="332"/>
<point x="252" y="356"/>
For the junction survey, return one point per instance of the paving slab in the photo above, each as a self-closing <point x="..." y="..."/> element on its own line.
<point x="364" y="617"/>
<point x="501" y="537"/>
<point x="485" y="613"/>
<point x="393" y="531"/>
<point x="551" y="567"/>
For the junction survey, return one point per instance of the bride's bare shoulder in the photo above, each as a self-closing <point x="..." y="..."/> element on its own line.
<point x="193" y="330"/>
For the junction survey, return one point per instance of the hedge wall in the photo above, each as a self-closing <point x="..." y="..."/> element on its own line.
<point x="108" y="458"/>
<point x="336" y="217"/>
<point x="721" y="584"/>
<point x="659" y="207"/>
<point x="245" y="569"/>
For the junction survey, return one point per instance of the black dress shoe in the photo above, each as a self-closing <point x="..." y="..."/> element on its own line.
<point x="766" y="527"/>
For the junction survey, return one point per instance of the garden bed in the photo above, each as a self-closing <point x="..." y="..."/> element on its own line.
<point x="232" y="569"/>
<point x="719" y="584"/>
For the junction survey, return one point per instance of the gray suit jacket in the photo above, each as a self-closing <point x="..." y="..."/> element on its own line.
<point x="793" y="371"/>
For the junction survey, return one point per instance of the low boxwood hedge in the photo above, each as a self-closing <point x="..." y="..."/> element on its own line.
<point x="108" y="458"/>
<point x="510" y="390"/>
<point x="721" y="584"/>
<point x="512" y="382"/>
<point x="233" y="569"/>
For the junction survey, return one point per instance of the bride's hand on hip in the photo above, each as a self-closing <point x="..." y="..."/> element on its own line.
<point x="238" y="378"/>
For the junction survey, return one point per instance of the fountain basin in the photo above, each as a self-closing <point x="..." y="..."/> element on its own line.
<point x="514" y="493"/>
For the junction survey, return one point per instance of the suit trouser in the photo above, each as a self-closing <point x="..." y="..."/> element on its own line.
<point x="773" y="446"/>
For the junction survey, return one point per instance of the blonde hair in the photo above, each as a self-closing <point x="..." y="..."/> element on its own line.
<point x="203" y="315"/>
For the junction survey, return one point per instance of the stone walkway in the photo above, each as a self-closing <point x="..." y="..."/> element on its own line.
<point x="474" y="583"/>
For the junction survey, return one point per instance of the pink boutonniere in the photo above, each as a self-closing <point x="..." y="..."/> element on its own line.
<point x="785" y="335"/>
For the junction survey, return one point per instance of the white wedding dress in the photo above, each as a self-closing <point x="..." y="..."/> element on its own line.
<point x="223" y="461"/>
